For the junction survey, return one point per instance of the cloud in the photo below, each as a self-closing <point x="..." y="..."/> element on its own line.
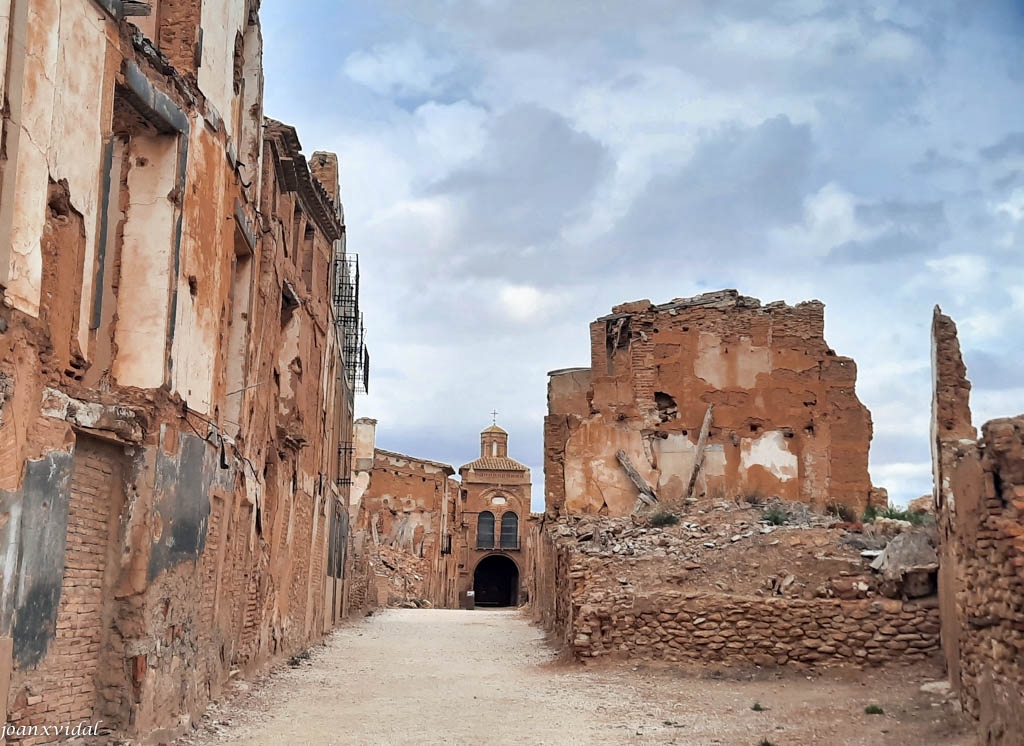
<point x="996" y="371"/>
<point x="741" y="182"/>
<point x="533" y="177"/>
<point x="511" y="170"/>
<point x="1010" y="145"/>
<point x="400" y="69"/>
<point x="893" y="229"/>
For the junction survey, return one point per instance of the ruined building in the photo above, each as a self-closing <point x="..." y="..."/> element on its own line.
<point x="753" y="389"/>
<point x="674" y="466"/>
<point x="979" y="499"/>
<point x="428" y="537"/>
<point x="406" y="504"/>
<point x="180" y="345"/>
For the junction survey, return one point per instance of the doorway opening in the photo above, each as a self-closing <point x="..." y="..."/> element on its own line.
<point x="496" y="582"/>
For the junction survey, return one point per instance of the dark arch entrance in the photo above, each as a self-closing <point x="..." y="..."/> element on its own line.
<point x="496" y="582"/>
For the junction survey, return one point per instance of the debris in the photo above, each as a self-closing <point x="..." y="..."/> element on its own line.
<point x="908" y="566"/>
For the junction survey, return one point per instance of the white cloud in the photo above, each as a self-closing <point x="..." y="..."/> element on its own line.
<point x="830" y="219"/>
<point x="523" y="303"/>
<point x="904" y="480"/>
<point x="963" y="274"/>
<point x="402" y="68"/>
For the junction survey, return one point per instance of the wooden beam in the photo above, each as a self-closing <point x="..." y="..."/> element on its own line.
<point x="698" y="459"/>
<point x="634" y="476"/>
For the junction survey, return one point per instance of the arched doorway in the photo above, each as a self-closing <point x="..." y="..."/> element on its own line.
<point x="496" y="582"/>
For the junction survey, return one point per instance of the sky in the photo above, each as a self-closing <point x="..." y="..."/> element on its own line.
<point x="511" y="169"/>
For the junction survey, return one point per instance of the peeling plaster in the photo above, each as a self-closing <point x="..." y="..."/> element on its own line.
<point x="770" y="451"/>
<point x="727" y="365"/>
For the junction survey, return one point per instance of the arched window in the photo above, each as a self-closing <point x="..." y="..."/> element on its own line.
<point x="510" y="531"/>
<point x="485" y="530"/>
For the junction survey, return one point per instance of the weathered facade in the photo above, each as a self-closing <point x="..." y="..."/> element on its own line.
<point x="979" y="500"/>
<point x="177" y="381"/>
<point x="408" y="504"/>
<point x="784" y="417"/>
<point x="493" y="507"/>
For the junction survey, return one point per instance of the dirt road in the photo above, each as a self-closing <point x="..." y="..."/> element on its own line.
<point x="422" y="676"/>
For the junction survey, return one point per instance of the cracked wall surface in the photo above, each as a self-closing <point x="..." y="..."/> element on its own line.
<point x="174" y="398"/>
<point x="786" y="420"/>
<point x="979" y="500"/>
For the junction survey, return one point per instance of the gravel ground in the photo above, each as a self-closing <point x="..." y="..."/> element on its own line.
<point x="425" y="676"/>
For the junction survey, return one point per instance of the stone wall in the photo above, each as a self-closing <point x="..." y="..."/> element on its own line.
<point x="602" y="607"/>
<point x="979" y="493"/>
<point x="786" y="420"/>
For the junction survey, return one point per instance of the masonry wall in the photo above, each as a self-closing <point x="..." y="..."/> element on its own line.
<point x="598" y="609"/>
<point x="403" y="505"/>
<point x="173" y="397"/>
<point x="786" y="418"/>
<point x="979" y="494"/>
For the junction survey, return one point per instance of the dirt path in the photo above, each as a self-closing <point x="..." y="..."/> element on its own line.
<point x="486" y="677"/>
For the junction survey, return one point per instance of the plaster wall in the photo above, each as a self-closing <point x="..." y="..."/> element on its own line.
<point x="786" y="421"/>
<point x="221" y="23"/>
<point x="146" y="262"/>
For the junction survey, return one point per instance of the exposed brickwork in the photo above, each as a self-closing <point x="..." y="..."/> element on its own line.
<point x="786" y="419"/>
<point x="173" y="395"/>
<point x="65" y="687"/>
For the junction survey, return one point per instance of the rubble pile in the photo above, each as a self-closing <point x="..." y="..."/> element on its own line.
<point x="740" y="548"/>
<point x="401" y="576"/>
<point x="745" y="584"/>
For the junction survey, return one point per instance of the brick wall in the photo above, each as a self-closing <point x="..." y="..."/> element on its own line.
<point x="65" y="687"/>
<point x="786" y="419"/>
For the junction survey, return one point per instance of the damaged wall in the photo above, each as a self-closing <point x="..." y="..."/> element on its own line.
<point x="979" y="498"/>
<point x="617" y="589"/>
<point x="175" y="393"/>
<point x="403" y="504"/>
<point x="786" y="420"/>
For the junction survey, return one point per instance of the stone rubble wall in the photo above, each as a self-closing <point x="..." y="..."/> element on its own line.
<point x="575" y="598"/>
<point x="979" y="499"/>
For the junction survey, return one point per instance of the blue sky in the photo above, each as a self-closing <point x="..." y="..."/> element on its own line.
<point x="510" y="170"/>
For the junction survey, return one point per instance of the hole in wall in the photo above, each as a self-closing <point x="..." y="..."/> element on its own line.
<point x="667" y="408"/>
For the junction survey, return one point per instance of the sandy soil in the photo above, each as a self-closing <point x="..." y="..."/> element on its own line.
<point x="424" y="676"/>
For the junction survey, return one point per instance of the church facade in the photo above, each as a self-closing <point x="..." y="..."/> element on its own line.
<point x="465" y="539"/>
<point x="492" y="511"/>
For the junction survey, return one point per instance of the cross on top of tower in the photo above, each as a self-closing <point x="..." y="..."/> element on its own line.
<point x="494" y="417"/>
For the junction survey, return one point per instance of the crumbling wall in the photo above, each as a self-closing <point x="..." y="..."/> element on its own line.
<point x="624" y="602"/>
<point x="402" y="519"/>
<point x="170" y="479"/>
<point x="785" y="421"/>
<point x="979" y="496"/>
